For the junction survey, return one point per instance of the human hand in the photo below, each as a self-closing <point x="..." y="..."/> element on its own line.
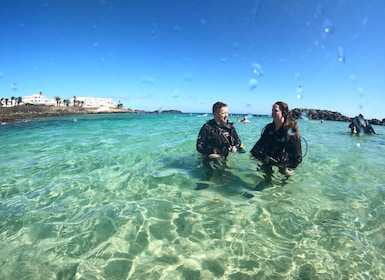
<point x="233" y="149"/>
<point x="289" y="171"/>
<point x="212" y="156"/>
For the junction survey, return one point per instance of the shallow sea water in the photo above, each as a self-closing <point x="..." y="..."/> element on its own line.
<point x="113" y="197"/>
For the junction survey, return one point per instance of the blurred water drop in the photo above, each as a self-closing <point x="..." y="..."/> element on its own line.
<point x="360" y="90"/>
<point x="365" y="20"/>
<point x="353" y="78"/>
<point x="223" y="60"/>
<point x="253" y="83"/>
<point x="256" y="8"/>
<point x="319" y="10"/>
<point x="328" y="26"/>
<point x="257" y="69"/>
<point x="175" y="93"/>
<point x="236" y="46"/>
<point x="14" y="86"/>
<point x="299" y="92"/>
<point x="304" y="116"/>
<point x="147" y="80"/>
<point x="290" y="132"/>
<point x="297" y="76"/>
<point x="341" y="55"/>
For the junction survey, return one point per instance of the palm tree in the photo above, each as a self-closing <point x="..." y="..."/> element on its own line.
<point x="74" y="100"/>
<point x="12" y="99"/>
<point x="120" y="105"/>
<point x="57" y="98"/>
<point x="19" y="100"/>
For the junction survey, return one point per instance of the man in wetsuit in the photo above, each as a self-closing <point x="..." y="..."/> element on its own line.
<point x="217" y="138"/>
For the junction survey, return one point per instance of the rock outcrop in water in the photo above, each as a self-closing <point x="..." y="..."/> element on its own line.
<point x="317" y="114"/>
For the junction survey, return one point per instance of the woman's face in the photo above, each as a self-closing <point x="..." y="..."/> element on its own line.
<point x="276" y="112"/>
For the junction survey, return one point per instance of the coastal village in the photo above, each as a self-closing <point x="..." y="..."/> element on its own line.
<point x="39" y="99"/>
<point x="38" y="105"/>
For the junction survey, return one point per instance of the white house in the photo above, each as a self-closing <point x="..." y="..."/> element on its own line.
<point x="89" y="102"/>
<point x="94" y="102"/>
<point x="39" y="99"/>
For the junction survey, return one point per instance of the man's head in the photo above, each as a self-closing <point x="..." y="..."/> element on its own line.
<point x="220" y="112"/>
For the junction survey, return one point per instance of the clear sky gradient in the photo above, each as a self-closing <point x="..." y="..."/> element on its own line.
<point x="186" y="55"/>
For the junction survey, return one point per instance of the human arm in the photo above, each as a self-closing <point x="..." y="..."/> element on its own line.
<point x="206" y="144"/>
<point x="294" y="151"/>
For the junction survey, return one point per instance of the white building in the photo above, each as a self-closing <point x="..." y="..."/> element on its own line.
<point x="89" y="102"/>
<point x="39" y="99"/>
<point x="93" y="102"/>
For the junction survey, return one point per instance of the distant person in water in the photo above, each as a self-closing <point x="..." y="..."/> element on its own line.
<point x="360" y="125"/>
<point x="217" y="138"/>
<point x="279" y="145"/>
<point x="368" y="129"/>
<point x="245" y="119"/>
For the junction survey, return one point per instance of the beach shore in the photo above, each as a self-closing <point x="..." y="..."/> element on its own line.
<point x="18" y="113"/>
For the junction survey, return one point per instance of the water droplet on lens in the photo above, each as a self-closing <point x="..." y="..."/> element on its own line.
<point x="304" y="116"/>
<point x="300" y="92"/>
<point x="290" y="132"/>
<point x="341" y="55"/>
<point x="253" y="83"/>
<point x="328" y="26"/>
<point x="257" y="69"/>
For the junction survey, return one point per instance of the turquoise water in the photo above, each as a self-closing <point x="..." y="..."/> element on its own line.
<point x="112" y="197"/>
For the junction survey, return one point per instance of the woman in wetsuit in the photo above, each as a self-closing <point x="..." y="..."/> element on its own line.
<point x="279" y="144"/>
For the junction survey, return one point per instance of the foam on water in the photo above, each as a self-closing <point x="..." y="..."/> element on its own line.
<point x="113" y="197"/>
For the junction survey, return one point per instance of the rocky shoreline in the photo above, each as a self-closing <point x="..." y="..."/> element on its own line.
<point x="19" y="113"/>
<point x="317" y="114"/>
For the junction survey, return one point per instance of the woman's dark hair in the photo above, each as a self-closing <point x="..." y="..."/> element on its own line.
<point x="218" y="105"/>
<point x="289" y="123"/>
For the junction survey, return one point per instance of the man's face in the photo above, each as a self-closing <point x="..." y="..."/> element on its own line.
<point x="222" y="115"/>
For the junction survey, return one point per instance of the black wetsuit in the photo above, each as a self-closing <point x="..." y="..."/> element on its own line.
<point x="277" y="148"/>
<point x="217" y="138"/>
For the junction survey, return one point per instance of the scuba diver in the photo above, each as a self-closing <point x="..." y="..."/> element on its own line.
<point x="279" y="145"/>
<point x="359" y="125"/>
<point x="217" y="138"/>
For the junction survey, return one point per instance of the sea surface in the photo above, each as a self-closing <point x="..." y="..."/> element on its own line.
<point x="114" y="197"/>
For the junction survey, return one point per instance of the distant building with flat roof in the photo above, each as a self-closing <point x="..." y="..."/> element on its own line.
<point x="38" y="99"/>
<point x="93" y="102"/>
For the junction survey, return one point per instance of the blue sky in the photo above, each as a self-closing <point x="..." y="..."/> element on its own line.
<point x="186" y="55"/>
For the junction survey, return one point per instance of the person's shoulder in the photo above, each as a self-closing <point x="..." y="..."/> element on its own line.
<point x="270" y="126"/>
